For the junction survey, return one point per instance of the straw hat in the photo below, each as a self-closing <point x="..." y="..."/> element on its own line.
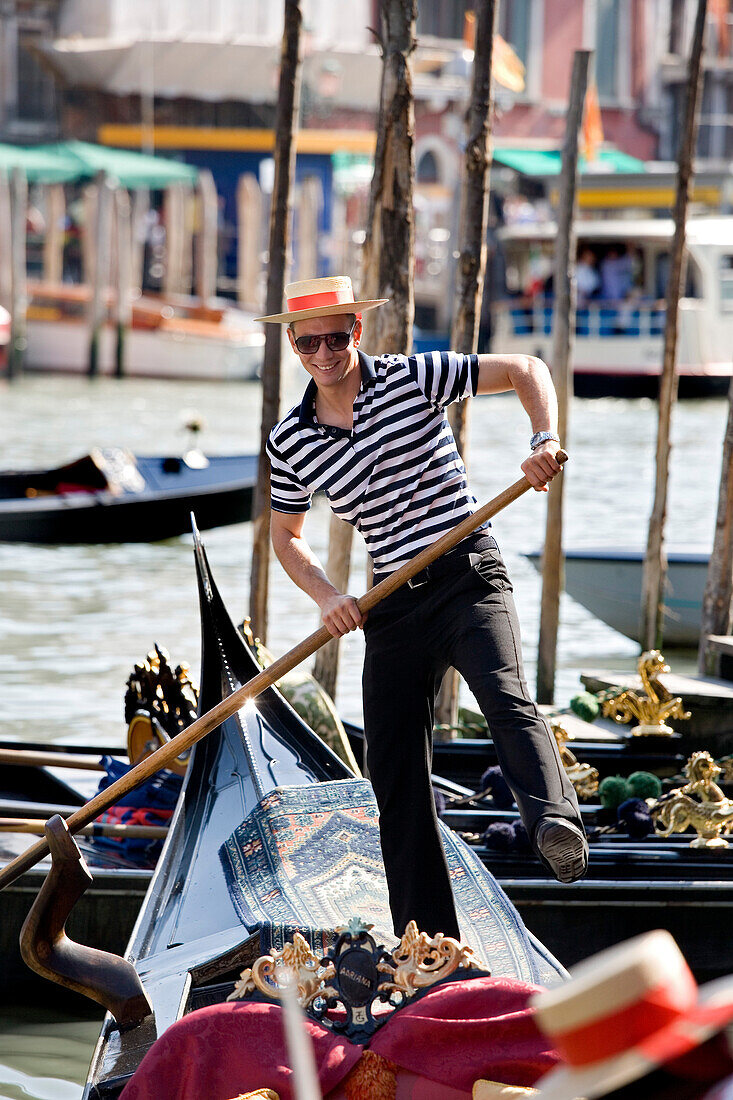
<point x="625" y="1012"/>
<point x="320" y="298"/>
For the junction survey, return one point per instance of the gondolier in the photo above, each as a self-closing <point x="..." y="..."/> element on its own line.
<point x="371" y="432"/>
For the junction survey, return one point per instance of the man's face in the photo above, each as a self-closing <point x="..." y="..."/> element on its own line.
<point x="328" y="368"/>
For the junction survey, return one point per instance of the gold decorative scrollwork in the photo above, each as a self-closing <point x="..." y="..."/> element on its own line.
<point x="700" y="805"/>
<point x="166" y="693"/>
<point x="584" y="777"/>
<point x="418" y="962"/>
<point x="160" y="701"/>
<point x="421" y="960"/>
<point x="268" y="972"/>
<point x="652" y="709"/>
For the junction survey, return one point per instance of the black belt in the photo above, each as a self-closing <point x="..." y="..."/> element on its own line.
<point x="464" y="556"/>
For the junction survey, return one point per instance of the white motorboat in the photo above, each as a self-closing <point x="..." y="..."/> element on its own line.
<point x="607" y="581"/>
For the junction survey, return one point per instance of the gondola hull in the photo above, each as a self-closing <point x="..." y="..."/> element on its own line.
<point x="250" y="857"/>
<point x="579" y="920"/>
<point x="156" y="506"/>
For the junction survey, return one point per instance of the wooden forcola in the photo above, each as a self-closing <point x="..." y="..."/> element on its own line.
<point x="166" y="755"/>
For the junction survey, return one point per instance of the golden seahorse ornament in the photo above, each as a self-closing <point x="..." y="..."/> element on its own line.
<point x="584" y="777"/>
<point x="651" y="709"/>
<point x="700" y="805"/>
<point x="295" y="960"/>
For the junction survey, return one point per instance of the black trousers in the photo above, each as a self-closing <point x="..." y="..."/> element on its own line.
<point x="462" y="616"/>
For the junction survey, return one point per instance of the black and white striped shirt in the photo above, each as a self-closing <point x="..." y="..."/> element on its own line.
<point x="397" y="475"/>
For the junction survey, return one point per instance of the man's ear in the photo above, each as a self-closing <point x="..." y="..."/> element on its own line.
<point x="291" y="338"/>
<point x="358" y="329"/>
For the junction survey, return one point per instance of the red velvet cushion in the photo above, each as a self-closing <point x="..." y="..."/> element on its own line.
<point x="221" y="1051"/>
<point x="451" y="1037"/>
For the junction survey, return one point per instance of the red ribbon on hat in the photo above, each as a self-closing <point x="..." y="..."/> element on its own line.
<point x="629" y="1026"/>
<point x="325" y="298"/>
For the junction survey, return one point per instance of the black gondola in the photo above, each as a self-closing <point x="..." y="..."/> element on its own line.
<point x="201" y="922"/>
<point x="111" y="495"/>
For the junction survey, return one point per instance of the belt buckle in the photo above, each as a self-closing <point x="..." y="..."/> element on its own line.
<point x="418" y="581"/>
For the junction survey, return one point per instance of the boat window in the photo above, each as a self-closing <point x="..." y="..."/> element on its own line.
<point x="514" y="23"/>
<point x="725" y="267"/>
<point x="442" y="20"/>
<point x="677" y="45"/>
<point x="693" y="279"/>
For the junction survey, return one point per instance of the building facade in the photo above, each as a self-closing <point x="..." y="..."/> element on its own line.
<point x="200" y="82"/>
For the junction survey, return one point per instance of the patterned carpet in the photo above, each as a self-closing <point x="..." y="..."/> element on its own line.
<point x="308" y="858"/>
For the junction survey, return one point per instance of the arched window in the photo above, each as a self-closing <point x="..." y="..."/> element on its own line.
<point x="427" y="168"/>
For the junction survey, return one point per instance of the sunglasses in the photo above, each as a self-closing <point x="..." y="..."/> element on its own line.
<point x="335" y="341"/>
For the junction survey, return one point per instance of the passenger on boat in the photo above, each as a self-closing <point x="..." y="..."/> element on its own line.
<point x="587" y="279"/>
<point x="372" y="433"/>
<point x="617" y="275"/>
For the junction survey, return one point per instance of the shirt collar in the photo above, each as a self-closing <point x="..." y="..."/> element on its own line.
<point x="306" y="413"/>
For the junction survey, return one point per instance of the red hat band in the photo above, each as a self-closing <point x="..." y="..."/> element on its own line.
<point x="629" y="1026"/>
<point x="324" y="298"/>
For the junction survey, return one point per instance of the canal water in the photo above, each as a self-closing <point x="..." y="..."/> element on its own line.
<point x="74" y="620"/>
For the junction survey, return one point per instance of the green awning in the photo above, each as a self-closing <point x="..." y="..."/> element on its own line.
<point x="78" y="160"/>
<point x="548" y="162"/>
<point x="40" y="165"/>
<point x="129" y="168"/>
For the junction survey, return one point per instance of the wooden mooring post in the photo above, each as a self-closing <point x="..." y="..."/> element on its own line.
<point x="100" y="282"/>
<point x="285" y="126"/>
<point x="655" y="566"/>
<point x="249" y="241"/>
<point x="471" y="264"/>
<point x="140" y="204"/>
<point x="18" y="285"/>
<point x="6" y="274"/>
<point x="176" y="234"/>
<point x="123" y="280"/>
<point x="390" y="231"/>
<point x="717" y="600"/>
<point x="53" y="240"/>
<point x="562" y="373"/>
<point x="207" y="236"/>
<point x="388" y="249"/>
<point x="338" y="568"/>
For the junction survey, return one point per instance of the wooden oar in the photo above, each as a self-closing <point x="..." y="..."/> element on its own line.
<point x="97" y="828"/>
<point x="166" y="754"/>
<point x="33" y="758"/>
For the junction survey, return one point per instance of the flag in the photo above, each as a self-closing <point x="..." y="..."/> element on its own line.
<point x="506" y="67"/>
<point x="592" y="131"/>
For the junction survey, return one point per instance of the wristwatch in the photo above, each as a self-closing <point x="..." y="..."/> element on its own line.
<point x="542" y="437"/>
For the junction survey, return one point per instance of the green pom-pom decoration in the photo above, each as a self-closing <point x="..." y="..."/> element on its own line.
<point x="644" y="785"/>
<point x="613" y="790"/>
<point x="586" y="706"/>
